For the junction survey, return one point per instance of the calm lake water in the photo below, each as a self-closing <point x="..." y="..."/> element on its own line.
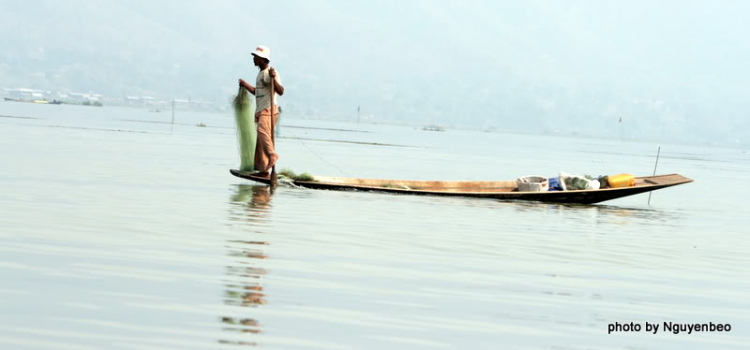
<point x="119" y="230"/>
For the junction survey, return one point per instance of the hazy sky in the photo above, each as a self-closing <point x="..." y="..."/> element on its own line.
<point x="669" y="69"/>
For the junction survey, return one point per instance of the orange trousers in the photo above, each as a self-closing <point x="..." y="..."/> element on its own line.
<point x="265" y="153"/>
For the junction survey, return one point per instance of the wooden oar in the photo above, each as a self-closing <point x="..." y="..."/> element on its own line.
<point x="274" y="177"/>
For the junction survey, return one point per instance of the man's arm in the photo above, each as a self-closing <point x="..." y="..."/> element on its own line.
<point x="247" y="86"/>
<point x="276" y="83"/>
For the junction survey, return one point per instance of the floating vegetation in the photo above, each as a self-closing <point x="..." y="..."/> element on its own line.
<point x="244" y="112"/>
<point x="200" y="125"/>
<point x="288" y="173"/>
<point x="433" y="128"/>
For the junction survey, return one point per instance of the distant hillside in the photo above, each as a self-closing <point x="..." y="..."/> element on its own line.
<point x="667" y="70"/>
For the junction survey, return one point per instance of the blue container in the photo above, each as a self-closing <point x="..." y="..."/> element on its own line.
<point x="554" y="184"/>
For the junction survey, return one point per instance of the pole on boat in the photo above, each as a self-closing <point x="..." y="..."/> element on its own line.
<point x="658" y="151"/>
<point x="274" y="177"/>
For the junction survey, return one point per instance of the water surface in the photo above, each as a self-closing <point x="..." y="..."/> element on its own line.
<point x="120" y="230"/>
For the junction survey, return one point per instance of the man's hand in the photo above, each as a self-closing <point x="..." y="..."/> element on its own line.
<point x="247" y="86"/>
<point x="276" y="84"/>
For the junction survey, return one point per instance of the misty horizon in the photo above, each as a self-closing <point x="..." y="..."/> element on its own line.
<point x="672" y="71"/>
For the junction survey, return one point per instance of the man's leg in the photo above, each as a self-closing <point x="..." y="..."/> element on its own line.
<point x="265" y="155"/>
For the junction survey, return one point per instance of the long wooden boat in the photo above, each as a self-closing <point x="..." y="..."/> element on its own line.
<point x="504" y="190"/>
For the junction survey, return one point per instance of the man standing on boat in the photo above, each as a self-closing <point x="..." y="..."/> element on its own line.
<point x="265" y="154"/>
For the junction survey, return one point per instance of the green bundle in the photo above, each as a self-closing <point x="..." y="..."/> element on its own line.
<point x="288" y="173"/>
<point x="244" y="115"/>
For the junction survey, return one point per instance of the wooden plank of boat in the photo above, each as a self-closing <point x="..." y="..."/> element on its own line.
<point x="248" y="175"/>
<point x="505" y="190"/>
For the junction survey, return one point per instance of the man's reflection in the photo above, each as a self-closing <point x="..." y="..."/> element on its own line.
<point x="254" y="201"/>
<point x="244" y="325"/>
<point x="250" y="205"/>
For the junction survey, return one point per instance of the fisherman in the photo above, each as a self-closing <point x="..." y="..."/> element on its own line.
<point x="265" y="154"/>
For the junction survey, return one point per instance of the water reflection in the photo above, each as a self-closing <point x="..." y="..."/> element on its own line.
<point x="599" y="214"/>
<point x="250" y="205"/>
<point x="254" y="203"/>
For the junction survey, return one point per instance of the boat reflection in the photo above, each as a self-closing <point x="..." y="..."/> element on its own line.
<point x="244" y="276"/>
<point x="597" y="214"/>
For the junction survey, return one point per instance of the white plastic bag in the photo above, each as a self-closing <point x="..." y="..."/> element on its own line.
<point x="593" y="185"/>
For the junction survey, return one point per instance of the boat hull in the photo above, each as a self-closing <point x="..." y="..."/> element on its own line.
<point x="501" y="190"/>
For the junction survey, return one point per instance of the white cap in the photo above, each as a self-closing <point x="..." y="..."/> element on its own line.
<point x="262" y="52"/>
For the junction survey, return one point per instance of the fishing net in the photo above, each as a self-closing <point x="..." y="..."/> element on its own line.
<point x="244" y="115"/>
